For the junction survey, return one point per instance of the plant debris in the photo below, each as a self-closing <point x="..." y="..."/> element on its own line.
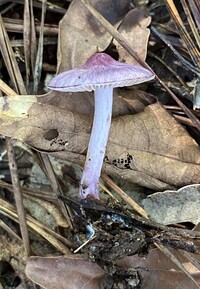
<point x="119" y="233"/>
<point x="47" y="236"/>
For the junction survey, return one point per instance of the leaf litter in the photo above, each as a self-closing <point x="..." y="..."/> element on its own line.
<point x="147" y="146"/>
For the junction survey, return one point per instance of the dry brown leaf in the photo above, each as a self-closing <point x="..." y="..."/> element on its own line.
<point x="156" y="271"/>
<point x="135" y="100"/>
<point x="160" y="147"/>
<point x="124" y="101"/>
<point x="64" y="272"/>
<point x="172" y="207"/>
<point x="134" y="23"/>
<point x="45" y="212"/>
<point x="160" y="152"/>
<point x="81" y="34"/>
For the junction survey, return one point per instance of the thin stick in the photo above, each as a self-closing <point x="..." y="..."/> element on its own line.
<point x="183" y="120"/>
<point x="167" y="253"/>
<point x="184" y="62"/>
<point x="51" y="236"/>
<point x="9" y="231"/>
<point x="84" y="244"/>
<point x="108" y="192"/>
<point x="39" y="56"/>
<point x="18" y="196"/>
<point x="10" y="60"/>
<point x="6" y="89"/>
<point x="124" y="196"/>
<point x="44" y="158"/>
<point x="27" y="40"/>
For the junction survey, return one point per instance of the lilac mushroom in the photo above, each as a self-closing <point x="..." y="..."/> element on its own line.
<point x="100" y="73"/>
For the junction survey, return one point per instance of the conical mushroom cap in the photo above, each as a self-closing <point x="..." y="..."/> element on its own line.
<point x="100" y="70"/>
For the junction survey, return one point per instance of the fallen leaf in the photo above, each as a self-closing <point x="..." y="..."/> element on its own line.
<point x="81" y="34"/>
<point x="124" y="101"/>
<point x="134" y="23"/>
<point x="45" y="212"/>
<point x="149" y="148"/>
<point x="64" y="272"/>
<point x="172" y="207"/>
<point x="158" y="271"/>
<point x="135" y="99"/>
<point x="71" y="272"/>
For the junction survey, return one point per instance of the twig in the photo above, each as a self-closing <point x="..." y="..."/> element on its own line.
<point x="18" y="196"/>
<point x="186" y="63"/>
<point x="10" y="60"/>
<point x="39" y="56"/>
<point x="191" y="47"/>
<point x="84" y="244"/>
<point x="44" y="158"/>
<point x="124" y="196"/>
<point x="9" y="7"/>
<point x="167" y="253"/>
<point x="170" y="69"/>
<point x="52" y="7"/>
<point x="9" y="231"/>
<point x="194" y="261"/>
<point x="183" y="120"/>
<point x="33" y="49"/>
<point x="191" y="22"/>
<point x="16" y="25"/>
<point x="52" y="237"/>
<point x="44" y="195"/>
<point x="6" y="89"/>
<point x="108" y="192"/>
<point x="26" y="40"/>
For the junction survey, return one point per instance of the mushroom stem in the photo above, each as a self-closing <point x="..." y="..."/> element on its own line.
<point x="97" y="145"/>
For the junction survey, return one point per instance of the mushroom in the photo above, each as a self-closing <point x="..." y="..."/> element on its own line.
<point x="100" y="73"/>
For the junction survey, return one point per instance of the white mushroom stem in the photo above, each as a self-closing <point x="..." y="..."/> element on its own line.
<point x="97" y="145"/>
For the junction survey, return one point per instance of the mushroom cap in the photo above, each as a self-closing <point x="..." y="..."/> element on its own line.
<point x="100" y="70"/>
